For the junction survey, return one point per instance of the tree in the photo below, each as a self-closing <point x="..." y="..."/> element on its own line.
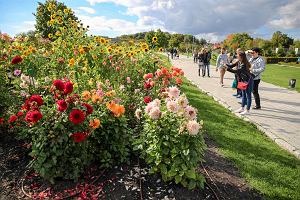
<point x="162" y="38"/>
<point x="58" y="12"/>
<point x="202" y="42"/>
<point x="175" y="40"/>
<point x="281" y="40"/>
<point x="238" y="40"/>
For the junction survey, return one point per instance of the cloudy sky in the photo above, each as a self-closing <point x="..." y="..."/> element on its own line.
<point x="211" y="19"/>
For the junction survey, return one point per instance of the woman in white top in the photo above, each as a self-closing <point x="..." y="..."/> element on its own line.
<point x="222" y="60"/>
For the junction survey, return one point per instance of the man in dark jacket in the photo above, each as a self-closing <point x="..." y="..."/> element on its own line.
<point x="206" y="62"/>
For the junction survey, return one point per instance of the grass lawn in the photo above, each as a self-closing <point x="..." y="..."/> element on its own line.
<point x="269" y="169"/>
<point x="280" y="75"/>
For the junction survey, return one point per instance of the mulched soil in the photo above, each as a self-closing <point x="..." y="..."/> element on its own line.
<point x="128" y="181"/>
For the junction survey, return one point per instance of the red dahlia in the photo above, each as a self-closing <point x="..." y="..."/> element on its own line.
<point x="147" y="85"/>
<point x="26" y="105"/>
<point x="33" y="116"/>
<point x="79" y="136"/>
<point x="76" y="116"/>
<point x="62" y="105"/>
<point x="12" y="119"/>
<point x="89" y="108"/>
<point x="36" y="98"/>
<point x="147" y="99"/>
<point x="59" y="85"/>
<point x="68" y="87"/>
<point x="178" y="81"/>
<point x="16" y="60"/>
<point x="20" y="114"/>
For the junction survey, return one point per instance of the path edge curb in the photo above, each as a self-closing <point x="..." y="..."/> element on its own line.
<point x="279" y="141"/>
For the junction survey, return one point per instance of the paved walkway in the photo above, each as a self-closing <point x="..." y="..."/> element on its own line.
<point x="280" y="114"/>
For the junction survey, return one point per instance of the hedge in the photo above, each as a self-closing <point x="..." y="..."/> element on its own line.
<point x="271" y="60"/>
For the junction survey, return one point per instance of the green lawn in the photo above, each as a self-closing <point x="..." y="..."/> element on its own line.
<point x="269" y="169"/>
<point x="280" y="75"/>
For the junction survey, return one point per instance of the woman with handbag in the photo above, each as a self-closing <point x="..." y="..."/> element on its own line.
<point x="245" y="81"/>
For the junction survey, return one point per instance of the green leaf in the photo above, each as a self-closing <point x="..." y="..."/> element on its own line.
<point x="191" y="174"/>
<point x="192" y="184"/>
<point x="177" y="179"/>
<point x="172" y="173"/>
<point x="163" y="168"/>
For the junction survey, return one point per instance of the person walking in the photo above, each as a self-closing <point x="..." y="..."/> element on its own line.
<point x="201" y="61"/>
<point x="244" y="77"/>
<point x="222" y="60"/>
<point x="206" y="60"/>
<point x="195" y="55"/>
<point x="257" y="68"/>
<point x="172" y="53"/>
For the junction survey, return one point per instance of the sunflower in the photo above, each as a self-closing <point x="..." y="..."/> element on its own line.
<point x="66" y="10"/>
<point x="58" y="33"/>
<point x="109" y="49"/>
<point x="144" y="46"/>
<point x="81" y="50"/>
<point x="130" y="54"/>
<point x="50" y="35"/>
<point x="154" y="39"/>
<point x="131" y="42"/>
<point x="145" y="50"/>
<point x="53" y="16"/>
<point x="160" y="49"/>
<point x="94" y="56"/>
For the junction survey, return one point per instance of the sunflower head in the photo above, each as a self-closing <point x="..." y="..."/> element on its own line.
<point x="154" y="39"/>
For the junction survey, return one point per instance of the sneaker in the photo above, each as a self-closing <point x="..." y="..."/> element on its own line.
<point x="245" y="112"/>
<point x="240" y="110"/>
<point x="235" y="95"/>
<point x="256" y="108"/>
<point x="239" y="96"/>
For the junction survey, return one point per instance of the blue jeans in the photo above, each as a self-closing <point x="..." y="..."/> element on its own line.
<point x="205" y="66"/>
<point x="246" y="95"/>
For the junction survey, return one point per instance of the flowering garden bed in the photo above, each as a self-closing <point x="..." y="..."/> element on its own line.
<point x="85" y="118"/>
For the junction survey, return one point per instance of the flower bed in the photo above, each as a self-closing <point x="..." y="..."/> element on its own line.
<point x="80" y="99"/>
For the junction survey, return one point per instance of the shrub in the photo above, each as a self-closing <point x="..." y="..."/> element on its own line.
<point x="170" y="140"/>
<point x="272" y="60"/>
<point x="58" y="125"/>
<point x="110" y="143"/>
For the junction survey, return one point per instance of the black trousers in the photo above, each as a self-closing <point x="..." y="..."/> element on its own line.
<point x="255" y="92"/>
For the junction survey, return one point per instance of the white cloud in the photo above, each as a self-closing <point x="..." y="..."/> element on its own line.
<point x="211" y="37"/>
<point x="211" y="19"/>
<point x="289" y="16"/>
<point x="127" y="3"/>
<point x="87" y="9"/>
<point x="24" y="27"/>
<point x="100" y="25"/>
